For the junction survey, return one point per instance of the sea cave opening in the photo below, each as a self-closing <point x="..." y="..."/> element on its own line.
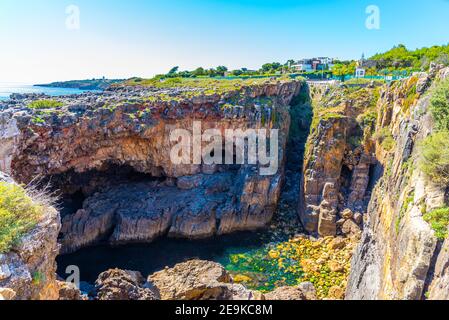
<point x="148" y="257"/>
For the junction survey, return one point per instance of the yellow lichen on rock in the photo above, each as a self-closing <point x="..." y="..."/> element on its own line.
<point x="324" y="262"/>
<point x="240" y="278"/>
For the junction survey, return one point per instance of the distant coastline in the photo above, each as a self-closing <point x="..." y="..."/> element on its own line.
<point x="7" y="89"/>
<point x="93" y="84"/>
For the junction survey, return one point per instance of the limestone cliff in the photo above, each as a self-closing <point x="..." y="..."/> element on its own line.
<point x="28" y="270"/>
<point x="114" y="149"/>
<point x="399" y="256"/>
<point x="338" y="161"/>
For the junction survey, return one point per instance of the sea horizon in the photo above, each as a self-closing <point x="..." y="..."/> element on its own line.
<point x="9" y="88"/>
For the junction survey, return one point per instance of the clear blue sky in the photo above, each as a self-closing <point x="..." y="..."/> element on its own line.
<point x="145" y="37"/>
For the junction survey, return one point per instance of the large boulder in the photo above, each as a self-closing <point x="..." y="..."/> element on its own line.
<point x="193" y="280"/>
<point x="199" y="280"/>
<point x="69" y="292"/>
<point x="5" y="178"/>
<point x="7" y="294"/>
<point x="305" y="291"/>
<point x="124" y="285"/>
<point x="439" y="289"/>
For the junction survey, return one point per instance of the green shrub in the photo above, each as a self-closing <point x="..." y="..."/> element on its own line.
<point x="434" y="157"/>
<point x="368" y="119"/>
<point x="439" y="105"/>
<point x="45" y="104"/>
<point x="38" y="278"/>
<point x="18" y="214"/>
<point x="385" y="139"/>
<point x="411" y="96"/>
<point x="439" y="221"/>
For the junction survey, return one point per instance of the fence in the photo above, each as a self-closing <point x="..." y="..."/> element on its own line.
<point x="317" y="77"/>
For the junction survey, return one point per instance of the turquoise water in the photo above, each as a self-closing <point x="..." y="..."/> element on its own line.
<point x="6" y="89"/>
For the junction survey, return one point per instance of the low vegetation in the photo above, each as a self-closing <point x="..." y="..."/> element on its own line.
<point x="439" y="105"/>
<point x="217" y="85"/>
<point x="18" y="214"/>
<point x="385" y="139"/>
<point x="411" y="95"/>
<point x="45" y="104"/>
<point x="434" y="157"/>
<point x="439" y="221"/>
<point x="397" y="61"/>
<point x="434" y="150"/>
<point x="401" y="58"/>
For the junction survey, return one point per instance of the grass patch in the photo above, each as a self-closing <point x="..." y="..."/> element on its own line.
<point x="368" y="119"/>
<point x="434" y="157"/>
<point x="385" y="139"/>
<point x="326" y="117"/>
<point x="439" y="221"/>
<point x="411" y="95"/>
<point x="211" y="85"/>
<point x="18" y="214"/>
<point x="45" y="104"/>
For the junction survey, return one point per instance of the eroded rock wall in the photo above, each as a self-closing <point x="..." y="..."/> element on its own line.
<point x="28" y="271"/>
<point x="9" y="133"/>
<point x="89" y="134"/>
<point x="337" y="163"/>
<point x="398" y="250"/>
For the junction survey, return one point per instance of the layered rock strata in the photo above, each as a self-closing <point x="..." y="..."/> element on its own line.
<point x="335" y="186"/>
<point x="76" y="145"/>
<point x="399" y="256"/>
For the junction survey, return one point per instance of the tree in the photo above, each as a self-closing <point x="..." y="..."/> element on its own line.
<point x="443" y="59"/>
<point x="199" y="72"/>
<point x="371" y="71"/>
<point x="271" y="67"/>
<point x="350" y="69"/>
<point x="221" y="70"/>
<point x="237" y="72"/>
<point x="289" y="63"/>
<point x="173" y="70"/>
<point x="339" y="70"/>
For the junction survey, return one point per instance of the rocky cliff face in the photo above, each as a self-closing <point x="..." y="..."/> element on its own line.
<point x="337" y="161"/>
<point x="114" y="149"/>
<point x="399" y="256"/>
<point x="28" y="271"/>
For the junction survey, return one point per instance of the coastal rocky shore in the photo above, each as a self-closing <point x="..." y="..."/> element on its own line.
<point x="361" y="195"/>
<point x="114" y="148"/>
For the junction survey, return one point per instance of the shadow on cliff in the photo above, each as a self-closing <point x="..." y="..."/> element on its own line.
<point x="301" y="113"/>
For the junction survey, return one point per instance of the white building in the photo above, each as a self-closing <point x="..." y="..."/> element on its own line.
<point x="360" y="73"/>
<point x="310" y="65"/>
<point x="303" y="67"/>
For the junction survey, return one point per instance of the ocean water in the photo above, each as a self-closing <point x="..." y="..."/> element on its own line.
<point x="152" y="257"/>
<point x="6" y="89"/>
